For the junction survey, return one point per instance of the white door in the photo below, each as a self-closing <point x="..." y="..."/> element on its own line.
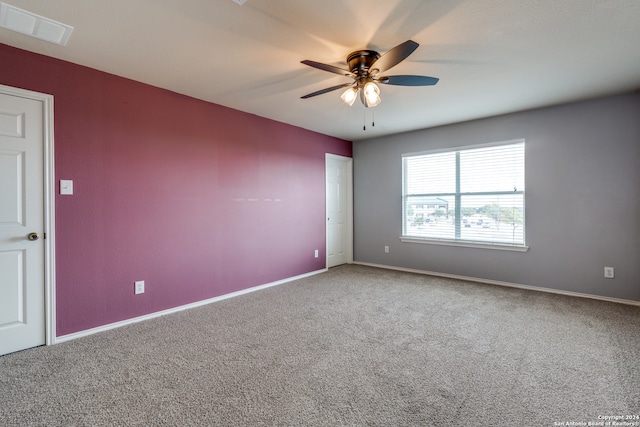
<point x="339" y="207"/>
<point x="22" y="299"/>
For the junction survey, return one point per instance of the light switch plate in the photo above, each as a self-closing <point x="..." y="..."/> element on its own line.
<point x="66" y="186"/>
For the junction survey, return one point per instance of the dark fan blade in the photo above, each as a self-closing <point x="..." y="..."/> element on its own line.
<point x="327" y="67"/>
<point x="394" y="56"/>
<point x="408" y="80"/>
<point x="329" y="89"/>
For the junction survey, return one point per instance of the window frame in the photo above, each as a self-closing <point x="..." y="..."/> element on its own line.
<point x="457" y="195"/>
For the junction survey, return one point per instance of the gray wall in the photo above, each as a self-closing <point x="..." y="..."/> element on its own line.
<point x="582" y="165"/>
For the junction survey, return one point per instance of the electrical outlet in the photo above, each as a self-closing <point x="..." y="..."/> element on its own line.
<point x="608" y="272"/>
<point x="386" y="249"/>
<point x="139" y="287"/>
<point x="316" y="253"/>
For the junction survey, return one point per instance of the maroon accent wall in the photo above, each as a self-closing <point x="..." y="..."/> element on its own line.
<point x="197" y="199"/>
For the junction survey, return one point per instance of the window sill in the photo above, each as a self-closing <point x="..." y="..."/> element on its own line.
<point x="495" y="246"/>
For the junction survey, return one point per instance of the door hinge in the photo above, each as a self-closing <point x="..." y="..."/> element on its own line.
<point x="44" y="235"/>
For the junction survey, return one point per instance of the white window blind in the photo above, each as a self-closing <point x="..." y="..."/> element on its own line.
<point x="471" y="195"/>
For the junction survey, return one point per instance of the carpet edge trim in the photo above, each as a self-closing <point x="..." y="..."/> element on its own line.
<point x="499" y="283"/>
<point x="144" y="317"/>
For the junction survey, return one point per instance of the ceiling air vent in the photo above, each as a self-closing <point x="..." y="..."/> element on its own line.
<point x="34" y="25"/>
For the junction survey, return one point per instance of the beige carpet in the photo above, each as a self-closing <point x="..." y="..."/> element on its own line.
<point x="354" y="346"/>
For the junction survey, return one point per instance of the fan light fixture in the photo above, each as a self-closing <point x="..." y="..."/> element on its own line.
<point x="349" y="96"/>
<point x="371" y="94"/>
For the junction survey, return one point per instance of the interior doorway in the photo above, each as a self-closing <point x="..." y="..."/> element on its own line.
<point x="339" y="209"/>
<point x="26" y="220"/>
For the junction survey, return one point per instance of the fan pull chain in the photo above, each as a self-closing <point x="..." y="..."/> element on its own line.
<point x="364" y="119"/>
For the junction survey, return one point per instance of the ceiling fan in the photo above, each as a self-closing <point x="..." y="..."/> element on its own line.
<point x="366" y="68"/>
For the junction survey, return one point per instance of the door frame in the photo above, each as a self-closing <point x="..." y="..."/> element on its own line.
<point x="49" y="205"/>
<point x="349" y="213"/>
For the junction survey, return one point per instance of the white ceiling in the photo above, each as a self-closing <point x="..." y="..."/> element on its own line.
<point x="492" y="56"/>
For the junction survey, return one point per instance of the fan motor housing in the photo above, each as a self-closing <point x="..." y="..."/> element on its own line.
<point x="361" y="60"/>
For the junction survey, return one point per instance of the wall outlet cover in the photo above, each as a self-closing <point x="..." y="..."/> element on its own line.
<point x="139" y="287"/>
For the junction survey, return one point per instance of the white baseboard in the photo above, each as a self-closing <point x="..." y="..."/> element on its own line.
<point x="499" y="283"/>
<point x="103" y="328"/>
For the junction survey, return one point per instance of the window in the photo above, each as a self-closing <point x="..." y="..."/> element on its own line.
<point x="468" y="196"/>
